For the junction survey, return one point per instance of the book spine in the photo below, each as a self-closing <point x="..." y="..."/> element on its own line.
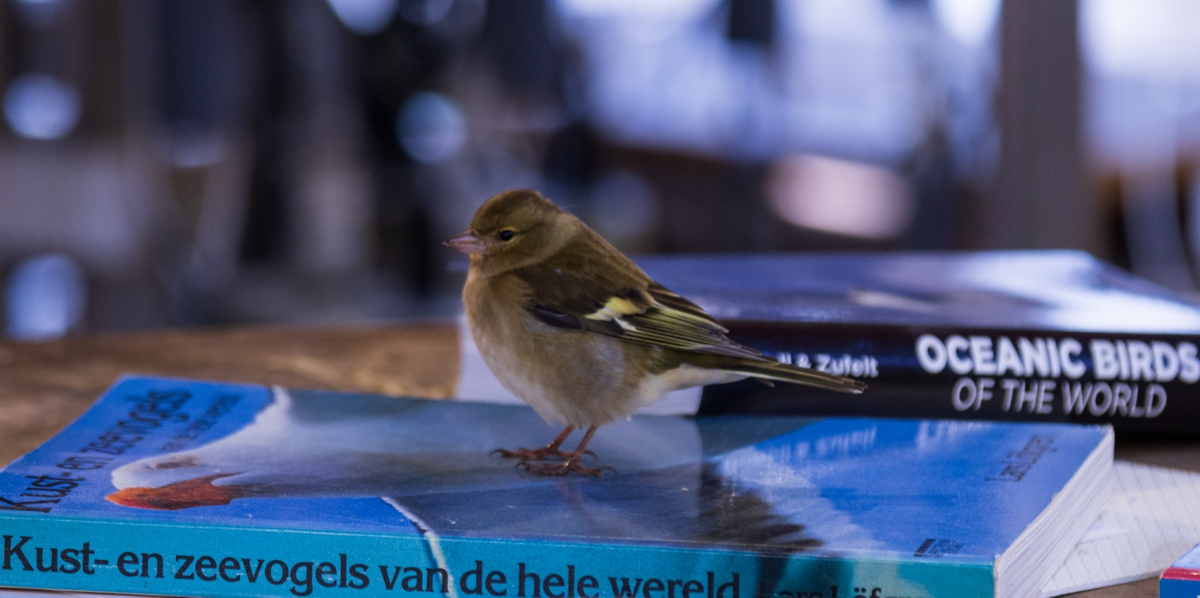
<point x="140" y="558"/>
<point x="1177" y="582"/>
<point x="1141" y="383"/>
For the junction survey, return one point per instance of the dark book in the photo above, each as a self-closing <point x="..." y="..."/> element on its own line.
<point x="182" y="488"/>
<point x="1005" y="335"/>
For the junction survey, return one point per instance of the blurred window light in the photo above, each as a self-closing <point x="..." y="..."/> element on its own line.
<point x="1193" y="223"/>
<point x="841" y="79"/>
<point x="838" y="196"/>
<point x="192" y="147"/>
<point x="866" y="22"/>
<point x="425" y="12"/>
<point x="431" y="127"/>
<point x="365" y="17"/>
<point x="39" y="13"/>
<point x="1148" y="39"/>
<point x="38" y="106"/>
<point x="46" y="297"/>
<point x="662" y="9"/>
<point x="971" y="22"/>
<point x="1143" y="81"/>
<point x="854" y="88"/>
<point x="623" y="205"/>
<point x="639" y="20"/>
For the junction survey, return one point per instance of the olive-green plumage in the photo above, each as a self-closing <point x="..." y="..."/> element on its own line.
<point x="575" y="329"/>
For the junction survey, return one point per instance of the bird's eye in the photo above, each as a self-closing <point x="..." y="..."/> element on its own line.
<point x="506" y="235"/>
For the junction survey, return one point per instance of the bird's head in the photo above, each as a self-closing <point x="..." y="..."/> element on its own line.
<point x="514" y="229"/>
<point x="173" y="481"/>
<point x="186" y="494"/>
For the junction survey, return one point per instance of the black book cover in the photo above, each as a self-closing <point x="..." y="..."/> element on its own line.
<point x="1052" y="335"/>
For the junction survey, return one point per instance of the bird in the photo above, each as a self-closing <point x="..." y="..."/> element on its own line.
<point x="575" y="329"/>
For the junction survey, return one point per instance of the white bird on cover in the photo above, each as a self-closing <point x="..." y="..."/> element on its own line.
<point x="431" y="459"/>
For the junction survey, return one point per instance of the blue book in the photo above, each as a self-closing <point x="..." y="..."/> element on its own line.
<point x="184" y="488"/>
<point x="1182" y="578"/>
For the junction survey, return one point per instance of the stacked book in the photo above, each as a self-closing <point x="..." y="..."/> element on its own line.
<point x="183" y="488"/>
<point x="1004" y="335"/>
<point x="173" y="487"/>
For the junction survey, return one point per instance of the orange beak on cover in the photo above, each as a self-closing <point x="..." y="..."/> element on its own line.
<point x="466" y="242"/>
<point x="199" y="492"/>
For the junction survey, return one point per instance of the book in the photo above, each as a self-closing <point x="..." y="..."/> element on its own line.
<point x="176" y="487"/>
<point x="1182" y="578"/>
<point x="1051" y="335"/>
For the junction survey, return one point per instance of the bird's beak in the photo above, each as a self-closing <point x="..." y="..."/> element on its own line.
<point x="199" y="492"/>
<point x="466" y="242"/>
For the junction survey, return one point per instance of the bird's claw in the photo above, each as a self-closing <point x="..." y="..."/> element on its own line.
<point x="525" y="454"/>
<point x="569" y="466"/>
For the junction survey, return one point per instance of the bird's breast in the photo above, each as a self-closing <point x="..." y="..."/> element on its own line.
<point x="567" y="376"/>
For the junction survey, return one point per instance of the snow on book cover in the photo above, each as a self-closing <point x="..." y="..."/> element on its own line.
<point x="177" y="487"/>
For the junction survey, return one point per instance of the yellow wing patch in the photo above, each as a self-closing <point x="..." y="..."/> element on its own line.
<point x="614" y="308"/>
<point x="663" y="323"/>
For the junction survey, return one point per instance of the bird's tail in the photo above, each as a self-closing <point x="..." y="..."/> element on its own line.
<point x="772" y="370"/>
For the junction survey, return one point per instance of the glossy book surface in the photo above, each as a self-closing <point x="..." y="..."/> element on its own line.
<point x="1060" y="290"/>
<point x="180" y="487"/>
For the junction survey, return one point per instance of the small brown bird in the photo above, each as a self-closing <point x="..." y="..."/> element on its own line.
<point x="575" y="329"/>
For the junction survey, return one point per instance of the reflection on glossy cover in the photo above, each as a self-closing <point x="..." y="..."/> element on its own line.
<point x="1051" y="289"/>
<point x="178" y="487"/>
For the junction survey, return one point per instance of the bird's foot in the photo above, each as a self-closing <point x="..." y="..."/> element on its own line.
<point x="568" y="466"/>
<point x="540" y="454"/>
<point x="525" y="454"/>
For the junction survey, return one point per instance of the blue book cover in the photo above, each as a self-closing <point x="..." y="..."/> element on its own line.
<point x="1182" y="578"/>
<point x="1046" y="336"/>
<point x="176" y="487"/>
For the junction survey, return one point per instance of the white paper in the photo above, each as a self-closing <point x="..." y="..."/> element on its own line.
<point x="1151" y="519"/>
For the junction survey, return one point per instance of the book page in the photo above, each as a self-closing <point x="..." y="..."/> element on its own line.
<point x="1151" y="519"/>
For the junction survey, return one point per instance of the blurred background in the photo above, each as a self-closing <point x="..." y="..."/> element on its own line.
<point x="222" y="162"/>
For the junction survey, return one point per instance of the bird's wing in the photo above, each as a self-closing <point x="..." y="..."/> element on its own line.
<point x="611" y="296"/>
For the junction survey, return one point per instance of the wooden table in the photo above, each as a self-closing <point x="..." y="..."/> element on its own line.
<point x="45" y="386"/>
